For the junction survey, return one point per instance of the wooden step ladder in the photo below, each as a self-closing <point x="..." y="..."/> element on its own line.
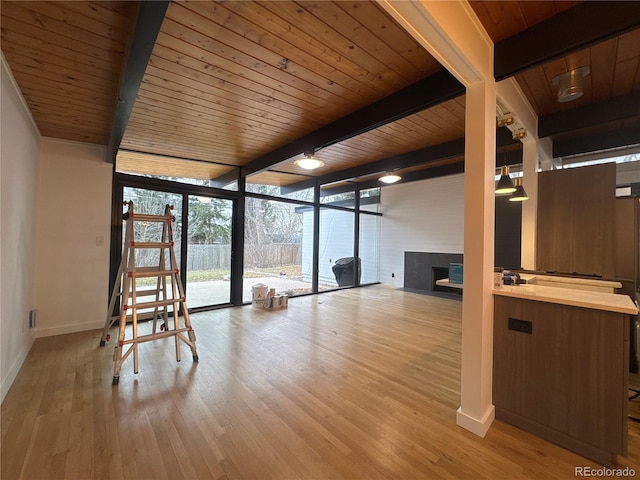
<point x="147" y="304"/>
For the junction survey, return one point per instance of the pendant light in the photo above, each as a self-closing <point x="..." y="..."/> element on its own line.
<point x="505" y="184"/>
<point x="519" y="195"/>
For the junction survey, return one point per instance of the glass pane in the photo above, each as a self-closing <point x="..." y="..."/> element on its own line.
<point x="304" y="195"/>
<point x="344" y="199"/>
<point x="336" y="265"/>
<point x="209" y="251"/>
<point x="370" y="199"/>
<point x="152" y="202"/>
<point x="276" y="233"/>
<point x="370" y="248"/>
<point x="173" y="169"/>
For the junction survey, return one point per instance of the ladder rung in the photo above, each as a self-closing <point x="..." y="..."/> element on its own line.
<point x="140" y="316"/>
<point x="156" y="336"/>
<point x="159" y="303"/>
<point x="145" y="292"/>
<point x="144" y="273"/>
<point x="143" y="217"/>
<point x="135" y="244"/>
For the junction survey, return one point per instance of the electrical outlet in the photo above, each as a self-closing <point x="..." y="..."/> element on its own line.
<point x="393" y="275"/>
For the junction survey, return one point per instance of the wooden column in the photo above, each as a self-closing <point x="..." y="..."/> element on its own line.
<point x="476" y="410"/>
<point x="452" y="33"/>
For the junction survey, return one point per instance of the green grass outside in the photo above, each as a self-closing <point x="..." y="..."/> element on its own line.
<point x="210" y="275"/>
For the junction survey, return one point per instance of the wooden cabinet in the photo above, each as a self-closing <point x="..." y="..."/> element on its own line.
<point x="565" y="380"/>
<point x="576" y="220"/>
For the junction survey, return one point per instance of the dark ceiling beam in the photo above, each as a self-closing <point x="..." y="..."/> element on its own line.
<point x="510" y="158"/>
<point x="443" y="151"/>
<point x="433" y="90"/>
<point x="434" y="172"/>
<point x="146" y="29"/>
<point x="574" y="29"/>
<point x="618" y="108"/>
<point x="417" y="157"/>
<point x="225" y="179"/>
<point x="596" y="142"/>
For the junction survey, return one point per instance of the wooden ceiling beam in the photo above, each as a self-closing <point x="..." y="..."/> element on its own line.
<point x="574" y="29"/>
<point x="146" y="29"/>
<point x="430" y="91"/>
<point x="618" y="108"/>
<point x="594" y="142"/>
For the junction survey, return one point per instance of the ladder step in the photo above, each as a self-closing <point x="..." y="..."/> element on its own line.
<point x="142" y="217"/>
<point x="135" y="244"/>
<point x="146" y="272"/>
<point x="159" y="303"/>
<point x="145" y="292"/>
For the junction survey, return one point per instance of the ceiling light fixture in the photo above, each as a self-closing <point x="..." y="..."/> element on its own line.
<point x="519" y="195"/>
<point x="390" y="178"/>
<point x="570" y="84"/>
<point x="505" y="184"/>
<point x="309" y="162"/>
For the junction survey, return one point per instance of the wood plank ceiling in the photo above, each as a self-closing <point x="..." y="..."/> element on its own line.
<point x="250" y="84"/>
<point x="67" y="59"/>
<point x="230" y="82"/>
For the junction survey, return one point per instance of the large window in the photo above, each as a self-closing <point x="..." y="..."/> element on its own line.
<point x="369" y="242"/>
<point x="209" y="251"/>
<point x="274" y="240"/>
<point x="336" y="265"/>
<point x="282" y="245"/>
<point x="202" y="234"/>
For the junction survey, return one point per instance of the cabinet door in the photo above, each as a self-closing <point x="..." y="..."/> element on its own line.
<point x="530" y="369"/>
<point x="597" y="367"/>
<point x="569" y="374"/>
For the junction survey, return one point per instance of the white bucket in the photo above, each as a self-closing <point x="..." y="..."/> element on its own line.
<point x="259" y="294"/>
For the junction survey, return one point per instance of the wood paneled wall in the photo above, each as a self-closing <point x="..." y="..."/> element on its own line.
<point x="577" y="221"/>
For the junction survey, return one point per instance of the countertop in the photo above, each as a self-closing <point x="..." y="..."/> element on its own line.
<point x="611" y="302"/>
<point x="532" y="277"/>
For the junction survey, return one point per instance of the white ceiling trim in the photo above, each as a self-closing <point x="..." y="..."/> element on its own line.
<point x="451" y="32"/>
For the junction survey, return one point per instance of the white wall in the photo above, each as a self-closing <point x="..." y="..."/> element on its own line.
<point x="19" y="140"/>
<point x="72" y="248"/>
<point x="424" y="216"/>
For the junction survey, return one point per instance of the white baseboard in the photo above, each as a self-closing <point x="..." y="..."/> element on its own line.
<point x="478" y="426"/>
<point x="64" y="329"/>
<point x="15" y="368"/>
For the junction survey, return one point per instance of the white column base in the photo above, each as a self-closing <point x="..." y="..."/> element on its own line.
<point x="478" y="426"/>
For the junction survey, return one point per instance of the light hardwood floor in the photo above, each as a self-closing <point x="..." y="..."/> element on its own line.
<point x="355" y="384"/>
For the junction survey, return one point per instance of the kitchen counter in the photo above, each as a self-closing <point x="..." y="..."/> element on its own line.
<point x="576" y="283"/>
<point x="610" y="302"/>
<point x="560" y="366"/>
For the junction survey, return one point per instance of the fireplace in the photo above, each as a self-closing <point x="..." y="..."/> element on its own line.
<point x="438" y="273"/>
<point x="423" y="269"/>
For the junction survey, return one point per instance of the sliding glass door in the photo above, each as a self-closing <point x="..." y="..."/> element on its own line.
<point x="208" y="251"/>
<point x="202" y="241"/>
